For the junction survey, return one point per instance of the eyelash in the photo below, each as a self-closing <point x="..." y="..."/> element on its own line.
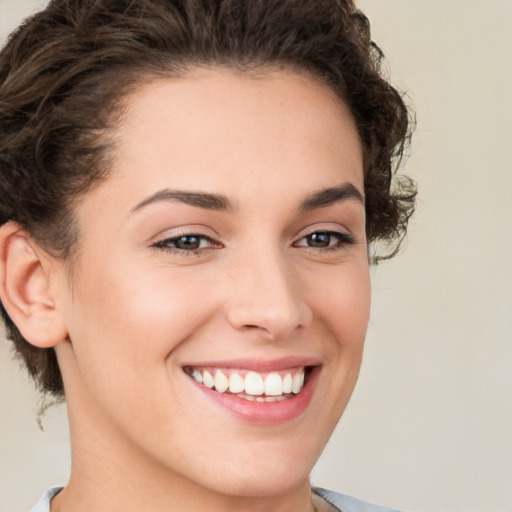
<point x="169" y="244"/>
<point x="342" y="240"/>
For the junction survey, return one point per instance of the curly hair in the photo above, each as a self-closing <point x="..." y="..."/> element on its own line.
<point x="65" y="71"/>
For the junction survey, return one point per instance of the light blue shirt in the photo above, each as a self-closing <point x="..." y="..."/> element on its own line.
<point x="342" y="502"/>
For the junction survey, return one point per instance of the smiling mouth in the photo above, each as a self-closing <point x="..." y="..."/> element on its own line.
<point x="276" y="386"/>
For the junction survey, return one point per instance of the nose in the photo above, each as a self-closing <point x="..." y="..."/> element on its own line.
<point x="266" y="297"/>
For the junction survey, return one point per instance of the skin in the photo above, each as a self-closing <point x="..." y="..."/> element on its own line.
<point x="143" y="437"/>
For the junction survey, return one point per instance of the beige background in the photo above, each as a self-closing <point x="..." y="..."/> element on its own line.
<point x="430" y="425"/>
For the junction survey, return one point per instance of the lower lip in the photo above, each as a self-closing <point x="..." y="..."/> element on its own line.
<point x="265" y="413"/>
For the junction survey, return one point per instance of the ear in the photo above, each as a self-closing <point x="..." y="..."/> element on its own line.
<point x="26" y="291"/>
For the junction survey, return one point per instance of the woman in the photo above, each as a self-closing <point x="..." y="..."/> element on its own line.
<point x="189" y="192"/>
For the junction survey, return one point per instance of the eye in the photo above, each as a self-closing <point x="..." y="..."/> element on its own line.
<point x="186" y="243"/>
<point x="325" y="240"/>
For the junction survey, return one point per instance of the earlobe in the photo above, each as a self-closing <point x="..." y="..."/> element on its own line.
<point x="25" y="291"/>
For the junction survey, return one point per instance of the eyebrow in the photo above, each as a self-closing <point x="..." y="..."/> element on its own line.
<point x="331" y="195"/>
<point x="218" y="202"/>
<point x="205" y="200"/>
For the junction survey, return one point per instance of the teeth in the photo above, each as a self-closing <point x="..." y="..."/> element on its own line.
<point x="297" y="382"/>
<point x="271" y="387"/>
<point x="236" y="383"/>
<point x="221" y="382"/>
<point x="273" y="384"/>
<point x="253" y="384"/>
<point x="196" y="375"/>
<point x="287" y="383"/>
<point x="208" y="379"/>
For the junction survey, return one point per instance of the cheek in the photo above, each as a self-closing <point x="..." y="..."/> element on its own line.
<point x="143" y="308"/>
<point x="125" y="323"/>
<point x="343" y="304"/>
<point x="122" y="331"/>
<point x="342" y="312"/>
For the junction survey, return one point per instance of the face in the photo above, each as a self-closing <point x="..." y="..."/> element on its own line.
<point x="220" y="297"/>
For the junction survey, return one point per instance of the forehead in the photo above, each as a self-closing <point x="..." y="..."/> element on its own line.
<point x="222" y="114"/>
<point x="233" y="133"/>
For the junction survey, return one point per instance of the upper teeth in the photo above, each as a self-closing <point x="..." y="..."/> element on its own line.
<point x="273" y="384"/>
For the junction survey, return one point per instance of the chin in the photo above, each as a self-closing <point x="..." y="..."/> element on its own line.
<point x="266" y="469"/>
<point x="263" y="482"/>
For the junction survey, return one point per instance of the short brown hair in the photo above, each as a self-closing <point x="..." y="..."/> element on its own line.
<point x="65" y="69"/>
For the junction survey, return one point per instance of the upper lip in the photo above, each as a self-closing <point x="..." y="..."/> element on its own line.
<point x="258" y="365"/>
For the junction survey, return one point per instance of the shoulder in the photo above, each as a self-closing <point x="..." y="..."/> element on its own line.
<point x="43" y="505"/>
<point x="348" y="504"/>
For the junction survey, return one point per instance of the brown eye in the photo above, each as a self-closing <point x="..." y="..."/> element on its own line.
<point x="319" y="240"/>
<point x="325" y="240"/>
<point x="186" y="243"/>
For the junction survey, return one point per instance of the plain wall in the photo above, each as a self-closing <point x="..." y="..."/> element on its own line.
<point x="429" y="427"/>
